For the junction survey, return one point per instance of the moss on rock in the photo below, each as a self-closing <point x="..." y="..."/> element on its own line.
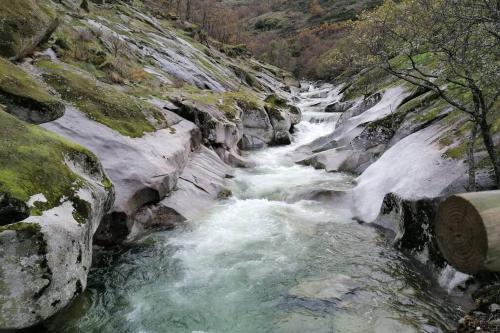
<point x="102" y="102"/>
<point x="367" y="83"/>
<point x="33" y="161"/>
<point x="22" y="227"/>
<point x="275" y="105"/>
<point x="25" y="97"/>
<point x="25" y="23"/>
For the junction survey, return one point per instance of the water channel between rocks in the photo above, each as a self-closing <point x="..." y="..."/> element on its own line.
<point x="264" y="261"/>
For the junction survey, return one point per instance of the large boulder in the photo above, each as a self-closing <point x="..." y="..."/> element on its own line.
<point x="216" y="128"/>
<point x="338" y="159"/>
<point x="257" y="128"/>
<point x="413" y="227"/>
<point x="283" y="117"/>
<point x="202" y="182"/>
<point x="25" y="24"/>
<point x="25" y="97"/>
<point x="144" y="170"/>
<point x="53" y="194"/>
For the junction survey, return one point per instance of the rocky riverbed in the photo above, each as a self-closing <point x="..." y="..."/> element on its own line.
<point x="221" y="194"/>
<point x="274" y="257"/>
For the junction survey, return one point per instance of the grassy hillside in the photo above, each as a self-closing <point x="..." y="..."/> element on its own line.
<point x="295" y="34"/>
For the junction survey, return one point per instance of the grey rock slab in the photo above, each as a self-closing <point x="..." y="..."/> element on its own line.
<point x="200" y="184"/>
<point x="337" y="160"/>
<point x="142" y="169"/>
<point x="413" y="168"/>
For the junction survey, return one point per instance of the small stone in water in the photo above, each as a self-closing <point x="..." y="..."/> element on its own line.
<point x="326" y="289"/>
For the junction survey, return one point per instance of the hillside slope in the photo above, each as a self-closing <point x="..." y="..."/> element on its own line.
<point x="296" y="34"/>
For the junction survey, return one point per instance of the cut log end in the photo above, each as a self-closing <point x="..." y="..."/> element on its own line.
<point x="461" y="235"/>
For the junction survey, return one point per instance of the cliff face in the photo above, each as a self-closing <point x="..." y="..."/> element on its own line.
<point x="113" y="123"/>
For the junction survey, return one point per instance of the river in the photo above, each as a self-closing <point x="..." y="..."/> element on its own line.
<point x="264" y="261"/>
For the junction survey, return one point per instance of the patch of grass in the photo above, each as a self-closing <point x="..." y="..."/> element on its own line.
<point x="458" y="152"/>
<point x="23" y="22"/>
<point x="368" y="83"/>
<point x="428" y="61"/>
<point x="227" y="102"/>
<point x="233" y="50"/>
<point x="19" y="87"/>
<point x="428" y="107"/>
<point x="273" y="103"/>
<point x="101" y="102"/>
<point x="24" y="227"/>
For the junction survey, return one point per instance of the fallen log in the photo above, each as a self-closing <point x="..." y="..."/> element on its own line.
<point x="468" y="231"/>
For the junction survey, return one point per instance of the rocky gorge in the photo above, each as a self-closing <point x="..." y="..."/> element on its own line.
<point x="219" y="192"/>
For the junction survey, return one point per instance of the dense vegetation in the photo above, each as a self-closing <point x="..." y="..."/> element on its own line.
<point x="446" y="46"/>
<point x="291" y="34"/>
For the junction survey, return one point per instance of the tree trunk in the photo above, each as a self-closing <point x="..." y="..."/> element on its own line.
<point x="188" y="10"/>
<point x="470" y="158"/>
<point x="490" y="147"/>
<point x="468" y="231"/>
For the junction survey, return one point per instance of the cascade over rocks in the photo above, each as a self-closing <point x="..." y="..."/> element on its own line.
<point x="126" y="145"/>
<point x="406" y="148"/>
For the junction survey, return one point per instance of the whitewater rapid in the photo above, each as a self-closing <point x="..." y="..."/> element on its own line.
<point x="262" y="262"/>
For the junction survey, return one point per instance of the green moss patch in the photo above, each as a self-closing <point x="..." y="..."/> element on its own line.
<point x="227" y="102"/>
<point x="368" y="83"/>
<point x="25" y="23"/>
<point x="102" y="102"/>
<point x="391" y="122"/>
<point x="274" y="102"/>
<point x="18" y="87"/>
<point x="32" y="161"/>
<point x="458" y="152"/>
<point x="23" y="227"/>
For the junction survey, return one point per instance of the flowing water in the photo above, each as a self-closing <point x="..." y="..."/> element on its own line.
<point x="260" y="262"/>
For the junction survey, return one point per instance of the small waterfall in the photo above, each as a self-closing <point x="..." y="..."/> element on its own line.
<point x="257" y="263"/>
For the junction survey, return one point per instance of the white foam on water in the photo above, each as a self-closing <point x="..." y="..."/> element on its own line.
<point x="234" y="268"/>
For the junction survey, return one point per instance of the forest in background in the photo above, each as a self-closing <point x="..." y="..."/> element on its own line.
<point x="296" y="35"/>
<point x="449" y="47"/>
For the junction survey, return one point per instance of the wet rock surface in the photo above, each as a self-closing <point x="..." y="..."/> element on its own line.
<point x="164" y="115"/>
<point x="327" y="289"/>
<point x="270" y="257"/>
<point x="165" y="125"/>
<point x="485" y="317"/>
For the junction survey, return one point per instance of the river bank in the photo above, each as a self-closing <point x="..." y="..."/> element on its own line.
<point x="266" y="260"/>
